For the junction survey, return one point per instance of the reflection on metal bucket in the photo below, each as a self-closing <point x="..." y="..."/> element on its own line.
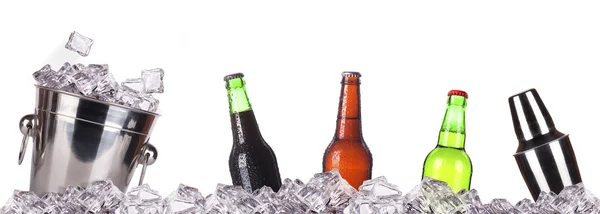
<point x="79" y="140"/>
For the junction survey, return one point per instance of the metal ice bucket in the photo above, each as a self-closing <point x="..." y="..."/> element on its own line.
<point x="79" y="140"/>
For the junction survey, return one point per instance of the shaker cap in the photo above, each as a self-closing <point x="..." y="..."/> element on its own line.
<point x="530" y="116"/>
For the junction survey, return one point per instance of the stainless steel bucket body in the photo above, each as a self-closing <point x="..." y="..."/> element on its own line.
<point x="78" y="140"/>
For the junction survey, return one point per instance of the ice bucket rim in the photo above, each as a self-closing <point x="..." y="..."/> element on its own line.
<point x="96" y="100"/>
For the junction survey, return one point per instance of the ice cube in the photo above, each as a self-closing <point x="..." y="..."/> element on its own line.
<point x="473" y="201"/>
<point x="544" y="200"/>
<point x="144" y="193"/>
<point x="500" y="205"/>
<point x="79" y="67"/>
<point x="268" y="198"/>
<point x="148" y="103"/>
<point x="230" y="192"/>
<point x="56" y="206"/>
<point x="248" y="204"/>
<point x="143" y="199"/>
<point x="100" y="196"/>
<point x="387" y="207"/>
<point x="83" y="83"/>
<point x="41" y="76"/>
<point x="335" y="188"/>
<point x="91" y="199"/>
<point x="96" y="71"/>
<point x="112" y="200"/>
<point x="289" y="187"/>
<point x="128" y="98"/>
<point x="362" y="205"/>
<point x="214" y="204"/>
<point x="52" y="198"/>
<point x="526" y="206"/>
<point x="133" y="84"/>
<point x="107" y="87"/>
<point x="70" y="88"/>
<point x="25" y="202"/>
<point x="79" y="44"/>
<point x="380" y="188"/>
<point x="313" y="197"/>
<point x="185" y="199"/>
<point x="71" y="192"/>
<point x="153" y="80"/>
<point x="66" y="68"/>
<point x="434" y="196"/>
<point x="63" y="75"/>
<point x="225" y="198"/>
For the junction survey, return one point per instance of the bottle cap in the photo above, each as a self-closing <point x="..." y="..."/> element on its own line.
<point x="350" y="74"/>
<point x="530" y="117"/>
<point x="233" y="76"/>
<point x="458" y="93"/>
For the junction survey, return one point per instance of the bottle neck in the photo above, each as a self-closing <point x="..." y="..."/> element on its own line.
<point x="243" y="122"/>
<point x="349" y="125"/>
<point x="238" y="98"/>
<point x="452" y="132"/>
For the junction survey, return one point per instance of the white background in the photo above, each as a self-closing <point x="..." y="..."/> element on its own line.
<point x="410" y="54"/>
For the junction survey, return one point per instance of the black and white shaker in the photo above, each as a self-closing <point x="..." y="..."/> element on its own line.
<point x="545" y="156"/>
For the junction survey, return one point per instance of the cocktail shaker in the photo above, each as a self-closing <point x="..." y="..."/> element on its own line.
<point x="545" y="156"/>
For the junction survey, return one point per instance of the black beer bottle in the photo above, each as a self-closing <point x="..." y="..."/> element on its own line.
<point x="252" y="162"/>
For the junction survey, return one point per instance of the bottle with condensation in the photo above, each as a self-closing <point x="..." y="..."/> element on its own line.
<point x="252" y="162"/>
<point x="348" y="152"/>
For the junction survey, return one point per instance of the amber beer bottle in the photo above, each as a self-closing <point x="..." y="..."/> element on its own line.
<point x="252" y="162"/>
<point x="348" y="152"/>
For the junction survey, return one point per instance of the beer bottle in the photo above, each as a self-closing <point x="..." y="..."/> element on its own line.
<point x="348" y="152"/>
<point x="449" y="162"/>
<point x="252" y="162"/>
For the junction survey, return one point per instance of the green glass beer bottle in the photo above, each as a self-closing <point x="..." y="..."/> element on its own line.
<point x="252" y="162"/>
<point x="449" y="162"/>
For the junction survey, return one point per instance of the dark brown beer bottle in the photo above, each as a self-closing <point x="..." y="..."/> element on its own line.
<point x="348" y="152"/>
<point x="252" y="162"/>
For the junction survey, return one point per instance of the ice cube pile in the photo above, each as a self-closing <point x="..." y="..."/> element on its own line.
<point x="325" y="193"/>
<point x="96" y="81"/>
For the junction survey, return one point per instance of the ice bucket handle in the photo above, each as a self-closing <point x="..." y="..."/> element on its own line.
<point x="150" y="154"/>
<point x="28" y="127"/>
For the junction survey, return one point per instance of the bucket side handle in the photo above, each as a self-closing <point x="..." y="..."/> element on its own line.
<point x="150" y="154"/>
<point x="28" y="127"/>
